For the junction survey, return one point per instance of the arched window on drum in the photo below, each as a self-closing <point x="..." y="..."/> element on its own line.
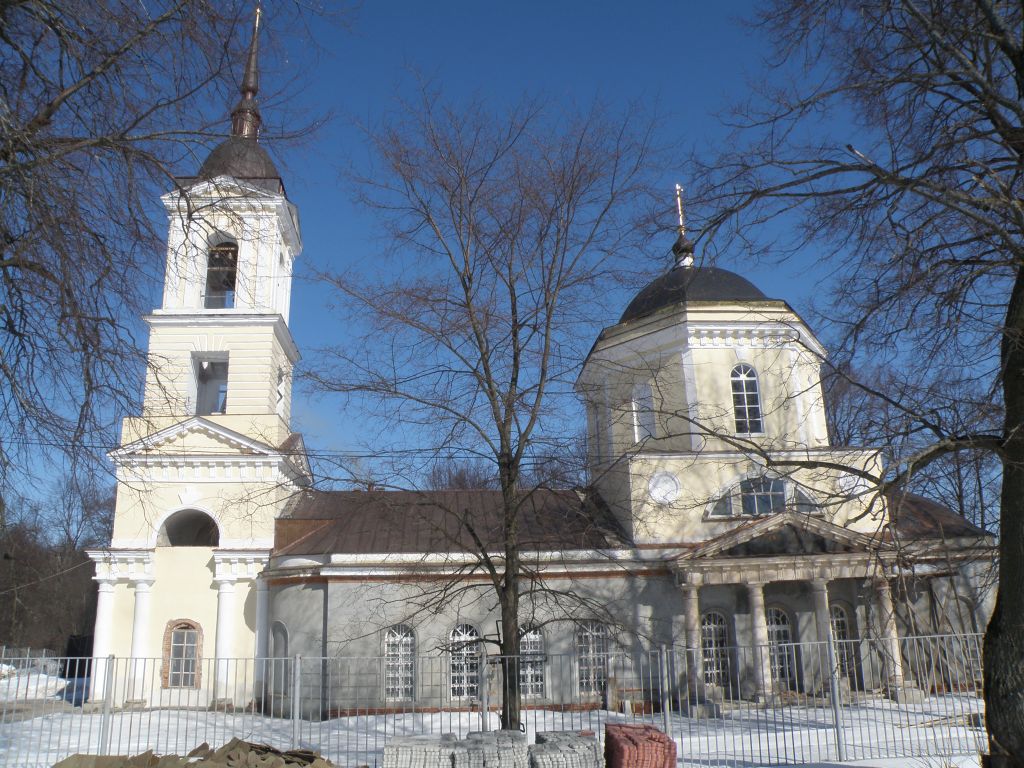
<point x="746" y="400"/>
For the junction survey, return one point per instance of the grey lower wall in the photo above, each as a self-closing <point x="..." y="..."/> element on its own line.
<point x="344" y="622"/>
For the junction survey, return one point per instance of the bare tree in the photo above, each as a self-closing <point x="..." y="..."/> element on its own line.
<point x="893" y="130"/>
<point x="100" y="104"/>
<point x="506" y="229"/>
<point x="48" y="591"/>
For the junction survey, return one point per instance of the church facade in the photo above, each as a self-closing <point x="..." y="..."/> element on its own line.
<point x="718" y="514"/>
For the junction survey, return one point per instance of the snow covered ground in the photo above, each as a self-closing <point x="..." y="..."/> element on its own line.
<point x="943" y="732"/>
<point x="20" y="685"/>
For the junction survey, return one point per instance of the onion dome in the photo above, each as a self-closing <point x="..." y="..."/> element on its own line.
<point x="240" y="155"/>
<point x="686" y="282"/>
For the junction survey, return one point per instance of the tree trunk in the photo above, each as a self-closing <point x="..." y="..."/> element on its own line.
<point x="1004" y="639"/>
<point x="511" y="702"/>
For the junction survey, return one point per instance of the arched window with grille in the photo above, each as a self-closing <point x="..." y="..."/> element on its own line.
<point x="781" y="649"/>
<point x="465" y="662"/>
<point x="531" y="663"/>
<point x="592" y="657"/>
<point x="399" y="663"/>
<point x="183" y="649"/>
<point x="746" y="400"/>
<point x="844" y="636"/>
<point x="714" y="645"/>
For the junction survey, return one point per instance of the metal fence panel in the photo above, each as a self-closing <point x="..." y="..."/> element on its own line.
<point x="782" y="704"/>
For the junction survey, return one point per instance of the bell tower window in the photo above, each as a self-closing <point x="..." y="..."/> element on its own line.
<point x="221" y="274"/>
<point x="211" y="386"/>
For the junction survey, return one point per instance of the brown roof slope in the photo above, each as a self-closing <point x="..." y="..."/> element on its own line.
<point x="383" y="522"/>
<point x="916" y="517"/>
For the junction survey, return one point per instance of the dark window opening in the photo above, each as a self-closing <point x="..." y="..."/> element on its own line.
<point x="211" y="387"/>
<point x="221" y="273"/>
<point x="189" y="528"/>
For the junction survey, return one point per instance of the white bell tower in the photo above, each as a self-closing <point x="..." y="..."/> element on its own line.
<point x="209" y="464"/>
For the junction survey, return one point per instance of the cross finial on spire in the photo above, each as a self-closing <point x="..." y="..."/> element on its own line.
<point x="245" y="118"/>
<point x="679" y="208"/>
<point x="683" y="248"/>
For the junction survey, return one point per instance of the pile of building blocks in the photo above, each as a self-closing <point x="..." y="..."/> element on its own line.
<point x="494" y="749"/>
<point x="637" y="746"/>
<point x="566" y="749"/>
<point x="420" y="751"/>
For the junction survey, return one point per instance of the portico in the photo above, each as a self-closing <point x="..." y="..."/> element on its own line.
<point x="768" y="586"/>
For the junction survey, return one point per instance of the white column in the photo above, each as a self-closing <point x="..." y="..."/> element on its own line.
<point x="102" y="635"/>
<point x="140" y="620"/>
<point x="819" y="590"/>
<point x="823" y="620"/>
<point x="892" y="659"/>
<point x="141" y="651"/>
<point x="225" y="633"/>
<point x="762" y="662"/>
<point x="261" y="634"/>
<point x="694" y="661"/>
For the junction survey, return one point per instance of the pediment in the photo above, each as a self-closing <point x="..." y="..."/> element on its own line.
<point x="789" y="533"/>
<point x="788" y="540"/>
<point x="198" y="437"/>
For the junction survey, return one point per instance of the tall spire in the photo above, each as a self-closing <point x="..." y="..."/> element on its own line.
<point x="245" y="118"/>
<point x="683" y="248"/>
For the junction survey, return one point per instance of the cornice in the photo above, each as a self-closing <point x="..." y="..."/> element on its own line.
<point x="190" y="318"/>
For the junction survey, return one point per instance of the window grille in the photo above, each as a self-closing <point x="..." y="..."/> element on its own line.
<point x="714" y="644"/>
<point x="592" y="657"/>
<point x="842" y="634"/>
<point x="465" y="662"/>
<point x="531" y="664"/>
<point x="399" y="663"/>
<point x="780" y="647"/>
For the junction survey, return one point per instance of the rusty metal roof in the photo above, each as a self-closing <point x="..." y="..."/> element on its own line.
<point x="383" y="522"/>
<point x="916" y="517"/>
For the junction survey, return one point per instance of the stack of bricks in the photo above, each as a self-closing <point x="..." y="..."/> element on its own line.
<point x="566" y="749"/>
<point x="637" y="746"/>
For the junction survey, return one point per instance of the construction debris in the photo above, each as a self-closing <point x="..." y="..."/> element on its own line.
<point x="235" y="754"/>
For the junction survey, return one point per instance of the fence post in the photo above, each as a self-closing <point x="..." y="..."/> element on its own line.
<point x="834" y="698"/>
<point x="485" y="684"/>
<point x="108" y="697"/>
<point x="666" y="714"/>
<point x="296" y="703"/>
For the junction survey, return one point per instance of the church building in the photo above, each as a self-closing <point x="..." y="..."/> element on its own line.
<point x="717" y="514"/>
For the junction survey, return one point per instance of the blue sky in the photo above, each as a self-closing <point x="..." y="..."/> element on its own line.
<point x="689" y="59"/>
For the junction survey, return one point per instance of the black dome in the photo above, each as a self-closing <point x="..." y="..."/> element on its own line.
<point x="241" y="158"/>
<point x="691" y="284"/>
